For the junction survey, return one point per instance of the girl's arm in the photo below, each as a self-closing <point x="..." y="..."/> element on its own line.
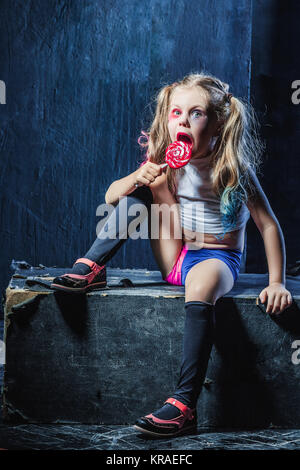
<point x="277" y="295"/>
<point x="121" y="187"/>
<point x="144" y="175"/>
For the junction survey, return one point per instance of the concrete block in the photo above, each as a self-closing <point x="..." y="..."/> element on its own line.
<point x="113" y="355"/>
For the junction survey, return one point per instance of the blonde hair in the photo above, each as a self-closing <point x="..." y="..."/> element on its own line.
<point x="237" y="150"/>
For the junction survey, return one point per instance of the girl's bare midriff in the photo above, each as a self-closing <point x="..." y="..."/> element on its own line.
<point x="232" y="240"/>
<point x="166" y="251"/>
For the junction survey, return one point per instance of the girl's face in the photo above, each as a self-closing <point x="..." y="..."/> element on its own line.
<point x="188" y="116"/>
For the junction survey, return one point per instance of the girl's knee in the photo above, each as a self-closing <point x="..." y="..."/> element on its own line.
<point x="204" y="283"/>
<point x="208" y="281"/>
<point x="200" y="293"/>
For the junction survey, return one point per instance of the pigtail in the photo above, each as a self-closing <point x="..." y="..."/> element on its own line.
<point x="157" y="139"/>
<point x="238" y="144"/>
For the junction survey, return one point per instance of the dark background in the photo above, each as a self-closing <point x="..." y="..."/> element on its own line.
<point x="80" y="79"/>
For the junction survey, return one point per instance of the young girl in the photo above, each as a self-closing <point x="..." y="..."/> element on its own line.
<point x="219" y="180"/>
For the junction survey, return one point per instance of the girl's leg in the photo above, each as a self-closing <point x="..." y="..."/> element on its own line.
<point x="205" y="283"/>
<point x="104" y="247"/>
<point x="167" y="246"/>
<point x="164" y="227"/>
<point x="197" y="345"/>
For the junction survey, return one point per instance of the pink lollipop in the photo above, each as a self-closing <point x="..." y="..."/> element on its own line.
<point x="178" y="154"/>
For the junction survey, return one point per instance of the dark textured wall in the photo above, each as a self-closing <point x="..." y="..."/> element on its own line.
<point x="275" y="65"/>
<point x="79" y="78"/>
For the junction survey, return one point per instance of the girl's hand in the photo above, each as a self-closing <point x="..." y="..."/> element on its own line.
<point x="278" y="297"/>
<point x="148" y="173"/>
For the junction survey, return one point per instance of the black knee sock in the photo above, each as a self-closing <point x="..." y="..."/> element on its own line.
<point x="197" y="344"/>
<point x="103" y="249"/>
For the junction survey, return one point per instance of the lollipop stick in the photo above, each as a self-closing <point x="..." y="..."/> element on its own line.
<point x="163" y="166"/>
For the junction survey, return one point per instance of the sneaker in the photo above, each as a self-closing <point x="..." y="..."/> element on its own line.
<point x="79" y="283"/>
<point x="185" y="422"/>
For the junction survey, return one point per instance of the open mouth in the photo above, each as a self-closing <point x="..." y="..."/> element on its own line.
<point x="184" y="138"/>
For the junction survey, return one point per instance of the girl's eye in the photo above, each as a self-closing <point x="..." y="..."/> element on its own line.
<point x="196" y="113"/>
<point x="175" y="113"/>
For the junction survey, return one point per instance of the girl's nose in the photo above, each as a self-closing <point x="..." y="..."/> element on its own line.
<point x="184" y="121"/>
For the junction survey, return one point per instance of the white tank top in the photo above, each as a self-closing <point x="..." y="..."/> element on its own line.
<point x="199" y="205"/>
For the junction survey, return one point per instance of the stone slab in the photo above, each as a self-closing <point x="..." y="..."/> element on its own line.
<point x="113" y="355"/>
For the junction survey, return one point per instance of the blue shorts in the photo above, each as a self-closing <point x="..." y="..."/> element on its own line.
<point x="231" y="257"/>
<point x="188" y="258"/>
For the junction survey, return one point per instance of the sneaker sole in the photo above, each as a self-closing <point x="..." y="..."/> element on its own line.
<point x="187" y="430"/>
<point x="78" y="290"/>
